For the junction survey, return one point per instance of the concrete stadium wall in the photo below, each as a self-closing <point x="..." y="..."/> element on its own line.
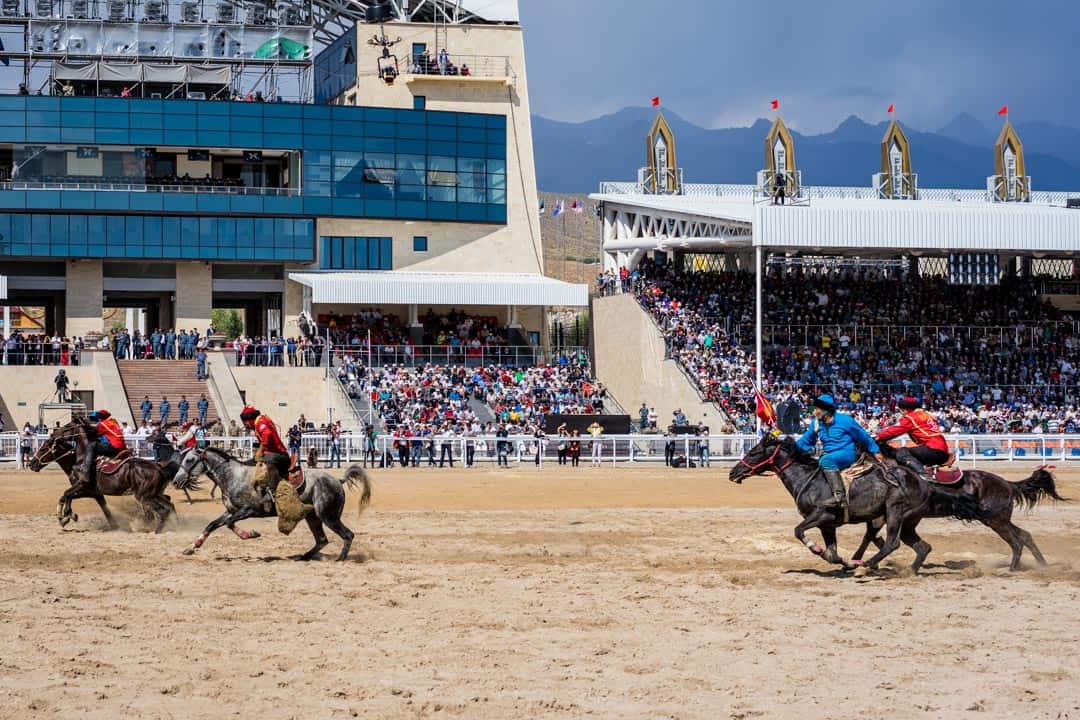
<point x="23" y="388"/>
<point x="285" y="393"/>
<point x="630" y="361"/>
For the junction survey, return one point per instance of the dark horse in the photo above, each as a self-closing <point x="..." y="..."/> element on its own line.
<point x="144" y="479"/>
<point x="897" y="494"/>
<point x="996" y="498"/>
<point x="321" y="490"/>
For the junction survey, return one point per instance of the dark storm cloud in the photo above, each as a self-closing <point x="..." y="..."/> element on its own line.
<point x="718" y="63"/>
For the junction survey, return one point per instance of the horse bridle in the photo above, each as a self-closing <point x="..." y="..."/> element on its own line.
<point x="50" y="443"/>
<point x="771" y="460"/>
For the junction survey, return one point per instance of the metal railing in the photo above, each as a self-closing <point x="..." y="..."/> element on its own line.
<point x="418" y="355"/>
<point x="861" y="335"/>
<point x="460" y="66"/>
<point x="971" y="450"/>
<point x="151" y="188"/>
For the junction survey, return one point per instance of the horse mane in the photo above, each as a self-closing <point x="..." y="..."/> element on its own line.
<point x="797" y="453"/>
<point x="225" y="455"/>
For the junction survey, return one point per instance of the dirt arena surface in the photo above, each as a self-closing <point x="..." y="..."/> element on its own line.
<point x="610" y="593"/>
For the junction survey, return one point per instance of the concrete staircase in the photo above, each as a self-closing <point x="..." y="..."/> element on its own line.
<point x="483" y="411"/>
<point x="169" y="378"/>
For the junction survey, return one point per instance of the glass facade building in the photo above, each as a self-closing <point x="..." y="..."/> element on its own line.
<point x="337" y="161"/>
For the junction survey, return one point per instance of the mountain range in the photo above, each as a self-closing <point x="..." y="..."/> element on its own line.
<point x="576" y="157"/>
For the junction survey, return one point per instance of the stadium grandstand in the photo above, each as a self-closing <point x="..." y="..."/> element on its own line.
<point x="334" y="175"/>
<point x="966" y="298"/>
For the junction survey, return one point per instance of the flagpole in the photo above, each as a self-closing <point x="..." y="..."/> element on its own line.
<point x="757" y="323"/>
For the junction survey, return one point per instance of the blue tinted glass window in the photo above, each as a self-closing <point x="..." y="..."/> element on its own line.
<point x="419" y="102"/>
<point x="419" y="243"/>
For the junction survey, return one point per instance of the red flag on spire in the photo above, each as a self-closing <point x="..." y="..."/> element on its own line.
<point x="656" y="101"/>
<point x="891" y="107"/>
<point x="775" y="104"/>
<point x="1004" y="110"/>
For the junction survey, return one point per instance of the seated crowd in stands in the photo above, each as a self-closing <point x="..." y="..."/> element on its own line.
<point x="39" y="349"/>
<point x="436" y="396"/>
<point x="987" y="358"/>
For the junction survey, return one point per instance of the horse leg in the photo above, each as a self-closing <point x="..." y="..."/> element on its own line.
<point x="920" y="546"/>
<point x="243" y="514"/>
<point x="224" y="519"/>
<point x="873" y="527"/>
<point x="1029" y="543"/>
<point x="63" y="508"/>
<point x="345" y="533"/>
<point x="828" y="532"/>
<point x="165" y="509"/>
<point x="893" y="522"/>
<point x="813" y="520"/>
<point x="1009" y="533"/>
<point x="105" y="509"/>
<point x="321" y="540"/>
<point x="188" y="496"/>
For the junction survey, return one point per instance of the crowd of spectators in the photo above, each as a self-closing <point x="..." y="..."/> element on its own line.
<point x="986" y="358"/>
<point x="437" y="397"/>
<point x="40" y="349"/>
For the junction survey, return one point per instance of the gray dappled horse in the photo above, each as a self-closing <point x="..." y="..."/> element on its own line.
<point x="321" y="489"/>
<point x="898" y="494"/>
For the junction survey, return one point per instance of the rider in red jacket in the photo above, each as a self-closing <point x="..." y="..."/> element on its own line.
<point x="923" y="429"/>
<point x="109" y="443"/>
<point x="273" y="449"/>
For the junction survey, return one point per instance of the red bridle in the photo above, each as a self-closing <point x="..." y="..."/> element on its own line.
<point x="771" y="460"/>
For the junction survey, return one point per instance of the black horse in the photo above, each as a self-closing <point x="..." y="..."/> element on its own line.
<point x="898" y="494"/>
<point x="996" y="497"/>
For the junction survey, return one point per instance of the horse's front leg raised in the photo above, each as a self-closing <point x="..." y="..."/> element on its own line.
<point x="224" y="519"/>
<point x="813" y="520"/>
<point x="63" y="508"/>
<point x="243" y="514"/>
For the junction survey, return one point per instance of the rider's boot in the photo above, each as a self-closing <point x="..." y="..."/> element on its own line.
<point x="836" y="484"/>
<point x="90" y="463"/>
<point x="906" y="457"/>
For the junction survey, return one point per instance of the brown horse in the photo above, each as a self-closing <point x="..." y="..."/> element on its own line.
<point x="996" y="498"/>
<point x="143" y="479"/>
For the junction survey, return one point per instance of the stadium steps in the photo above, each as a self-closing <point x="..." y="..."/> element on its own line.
<point x="171" y="378"/>
<point x="630" y="361"/>
<point x="482" y="410"/>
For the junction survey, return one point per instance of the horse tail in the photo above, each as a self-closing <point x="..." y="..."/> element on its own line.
<point x="354" y="476"/>
<point x="1028" y="492"/>
<point x="961" y="506"/>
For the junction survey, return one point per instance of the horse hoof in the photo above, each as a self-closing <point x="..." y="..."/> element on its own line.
<point x="188" y="551"/>
<point x="252" y="534"/>
<point x="817" y="549"/>
<point x="74" y="517"/>
<point x="64" y="521"/>
<point x="862" y="571"/>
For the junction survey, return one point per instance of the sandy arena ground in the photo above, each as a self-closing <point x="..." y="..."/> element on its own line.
<point x="611" y="593"/>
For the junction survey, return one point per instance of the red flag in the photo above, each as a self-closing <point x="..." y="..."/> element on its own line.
<point x="775" y="104"/>
<point x="764" y="409"/>
<point x="656" y="101"/>
<point x="891" y="107"/>
<point x="1004" y="110"/>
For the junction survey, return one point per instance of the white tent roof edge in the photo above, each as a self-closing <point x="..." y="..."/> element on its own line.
<point x="402" y="287"/>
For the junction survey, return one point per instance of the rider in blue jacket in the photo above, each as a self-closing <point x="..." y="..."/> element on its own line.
<point x="841" y="437"/>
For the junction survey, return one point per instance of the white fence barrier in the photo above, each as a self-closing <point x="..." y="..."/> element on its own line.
<point x="971" y="450"/>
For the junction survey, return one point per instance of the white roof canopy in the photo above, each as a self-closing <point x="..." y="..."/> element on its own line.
<point x="440" y="288"/>
<point x="841" y="224"/>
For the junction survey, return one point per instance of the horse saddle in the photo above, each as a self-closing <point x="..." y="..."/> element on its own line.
<point x="107" y="466"/>
<point x="947" y="477"/>
<point x="862" y="466"/>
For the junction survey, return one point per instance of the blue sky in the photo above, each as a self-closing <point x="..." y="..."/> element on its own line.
<point x="824" y="59"/>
